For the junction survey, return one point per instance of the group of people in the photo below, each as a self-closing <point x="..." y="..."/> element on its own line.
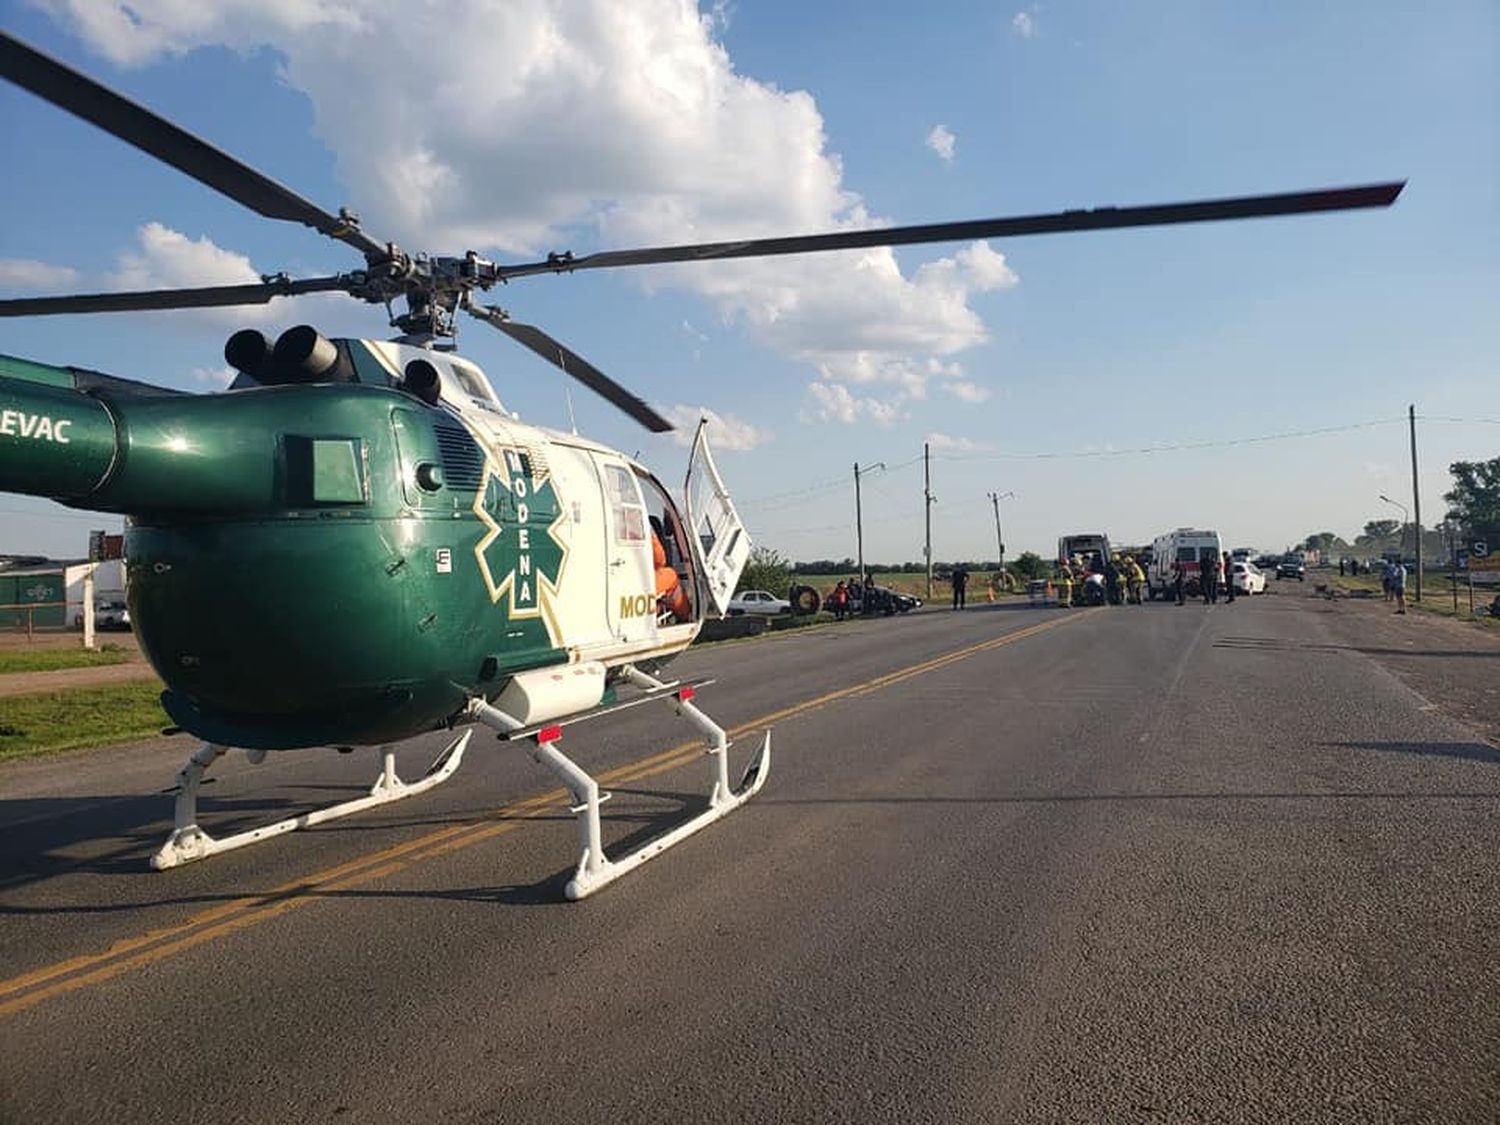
<point x="1215" y="574"/>
<point x="1393" y="581"/>
<point x="848" y="597"/>
<point x="1119" y="580"/>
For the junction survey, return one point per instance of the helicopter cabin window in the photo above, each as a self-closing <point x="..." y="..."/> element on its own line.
<point x="625" y="506"/>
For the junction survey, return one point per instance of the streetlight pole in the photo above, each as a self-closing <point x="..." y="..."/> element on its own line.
<point x="999" y="538"/>
<point x="1405" y="518"/>
<point x="859" y="528"/>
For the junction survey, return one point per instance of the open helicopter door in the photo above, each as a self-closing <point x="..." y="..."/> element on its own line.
<point x="719" y="541"/>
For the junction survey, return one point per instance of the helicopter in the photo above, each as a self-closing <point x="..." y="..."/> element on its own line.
<point x="357" y="543"/>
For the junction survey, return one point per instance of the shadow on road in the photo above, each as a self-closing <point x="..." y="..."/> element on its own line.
<point x="123" y="830"/>
<point x="1066" y="798"/>
<point x="128" y="829"/>
<point x="1468" y="751"/>
<point x="1281" y="644"/>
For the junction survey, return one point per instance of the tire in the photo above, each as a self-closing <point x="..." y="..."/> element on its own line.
<point x="805" y="600"/>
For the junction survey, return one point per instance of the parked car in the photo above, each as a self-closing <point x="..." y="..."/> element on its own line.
<point x="1291" y="567"/>
<point x="758" y="601"/>
<point x="882" y="600"/>
<point x="109" y="613"/>
<point x="896" y="600"/>
<point x="1248" y="578"/>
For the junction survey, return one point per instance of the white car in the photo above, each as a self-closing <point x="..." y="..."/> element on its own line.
<point x="1248" y="578"/>
<point x="109" y="613"/>
<point x="758" y="601"/>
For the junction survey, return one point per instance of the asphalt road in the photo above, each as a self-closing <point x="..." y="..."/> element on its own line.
<point x="1149" y="863"/>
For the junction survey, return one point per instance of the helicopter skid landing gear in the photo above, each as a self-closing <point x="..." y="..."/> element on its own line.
<point x="595" y="869"/>
<point x="188" y="842"/>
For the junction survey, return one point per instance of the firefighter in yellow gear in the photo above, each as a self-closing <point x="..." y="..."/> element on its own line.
<point x="1064" y="586"/>
<point x="1135" y="578"/>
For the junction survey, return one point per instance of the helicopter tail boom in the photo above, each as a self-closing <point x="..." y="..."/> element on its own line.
<point x="53" y="441"/>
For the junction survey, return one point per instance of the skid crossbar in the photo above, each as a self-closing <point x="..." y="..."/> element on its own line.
<point x="188" y="842"/>
<point x="595" y="869"/>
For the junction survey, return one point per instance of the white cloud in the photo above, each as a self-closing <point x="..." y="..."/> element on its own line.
<point x="25" y="275"/>
<point x="834" y="402"/>
<point x="168" y="259"/>
<point x="214" y="378"/>
<point x="967" y="391"/>
<point x="1023" y="25"/>
<point x="603" y="124"/>
<point x="946" y="443"/>
<point x="725" y="431"/>
<point x="164" y="258"/>
<point x="941" y="140"/>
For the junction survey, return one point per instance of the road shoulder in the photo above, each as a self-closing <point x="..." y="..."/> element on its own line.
<point x="1454" y="665"/>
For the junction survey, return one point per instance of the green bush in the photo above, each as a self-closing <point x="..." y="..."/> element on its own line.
<point x="767" y="570"/>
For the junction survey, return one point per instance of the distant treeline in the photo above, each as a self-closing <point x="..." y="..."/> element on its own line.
<point x="850" y="566"/>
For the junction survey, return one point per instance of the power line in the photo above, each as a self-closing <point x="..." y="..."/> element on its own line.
<point x="831" y="484"/>
<point x="1173" y="447"/>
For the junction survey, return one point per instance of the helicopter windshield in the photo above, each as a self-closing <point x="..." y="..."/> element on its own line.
<point x="471" y="381"/>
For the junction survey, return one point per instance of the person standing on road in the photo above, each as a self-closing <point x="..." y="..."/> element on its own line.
<point x="1112" y="579"/>
<point x="1387" y="578"/>
<point x="1177" y="581"/>
<point x="1208" y="576"/>
<point x="1228" y="578"/>
<point x="840" y="602"/>
<point x="1398" y="585"/>
<point x="960" y="580"/>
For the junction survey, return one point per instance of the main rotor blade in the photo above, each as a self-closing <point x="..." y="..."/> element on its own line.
<point x="80" y="95"/>
<point x="209" y="297"/>
<point x="575" y="365"/>
<point x="1098" y="218"/>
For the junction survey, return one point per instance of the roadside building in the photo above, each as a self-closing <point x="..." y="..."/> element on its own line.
<point x="48" y="593"/>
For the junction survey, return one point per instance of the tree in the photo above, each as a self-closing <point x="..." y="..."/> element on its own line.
<point x="766" y="570"/>
<point x="1324" y="541"/>
<point x="1474" y="502"/>
<point x="1030" y="565"/>
<point x="1381" y="530"/>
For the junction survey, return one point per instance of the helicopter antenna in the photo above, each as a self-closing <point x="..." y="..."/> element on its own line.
<point x="562" y="363"/>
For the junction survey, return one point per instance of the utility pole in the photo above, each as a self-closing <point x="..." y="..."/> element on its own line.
<point x="928" y="499"/>
<point x="995" y="499"/>
<point x="1416" y="497"/>
<point x="859" y="528"/>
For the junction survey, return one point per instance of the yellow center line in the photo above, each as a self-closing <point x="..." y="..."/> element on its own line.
<point x="21" y="992"/>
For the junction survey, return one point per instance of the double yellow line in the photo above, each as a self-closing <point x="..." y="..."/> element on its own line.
<point x="28" y="989"/>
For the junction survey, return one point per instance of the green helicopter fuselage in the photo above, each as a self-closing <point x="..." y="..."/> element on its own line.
<point x="339" y="563"/>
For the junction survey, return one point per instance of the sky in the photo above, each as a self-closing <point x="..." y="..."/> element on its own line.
<point x="1252" y="377"/>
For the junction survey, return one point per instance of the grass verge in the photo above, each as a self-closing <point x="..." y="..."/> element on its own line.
<point x="53" y="659"/>
<point x="31" y="725"/>
<point x="1437" y="596"/>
